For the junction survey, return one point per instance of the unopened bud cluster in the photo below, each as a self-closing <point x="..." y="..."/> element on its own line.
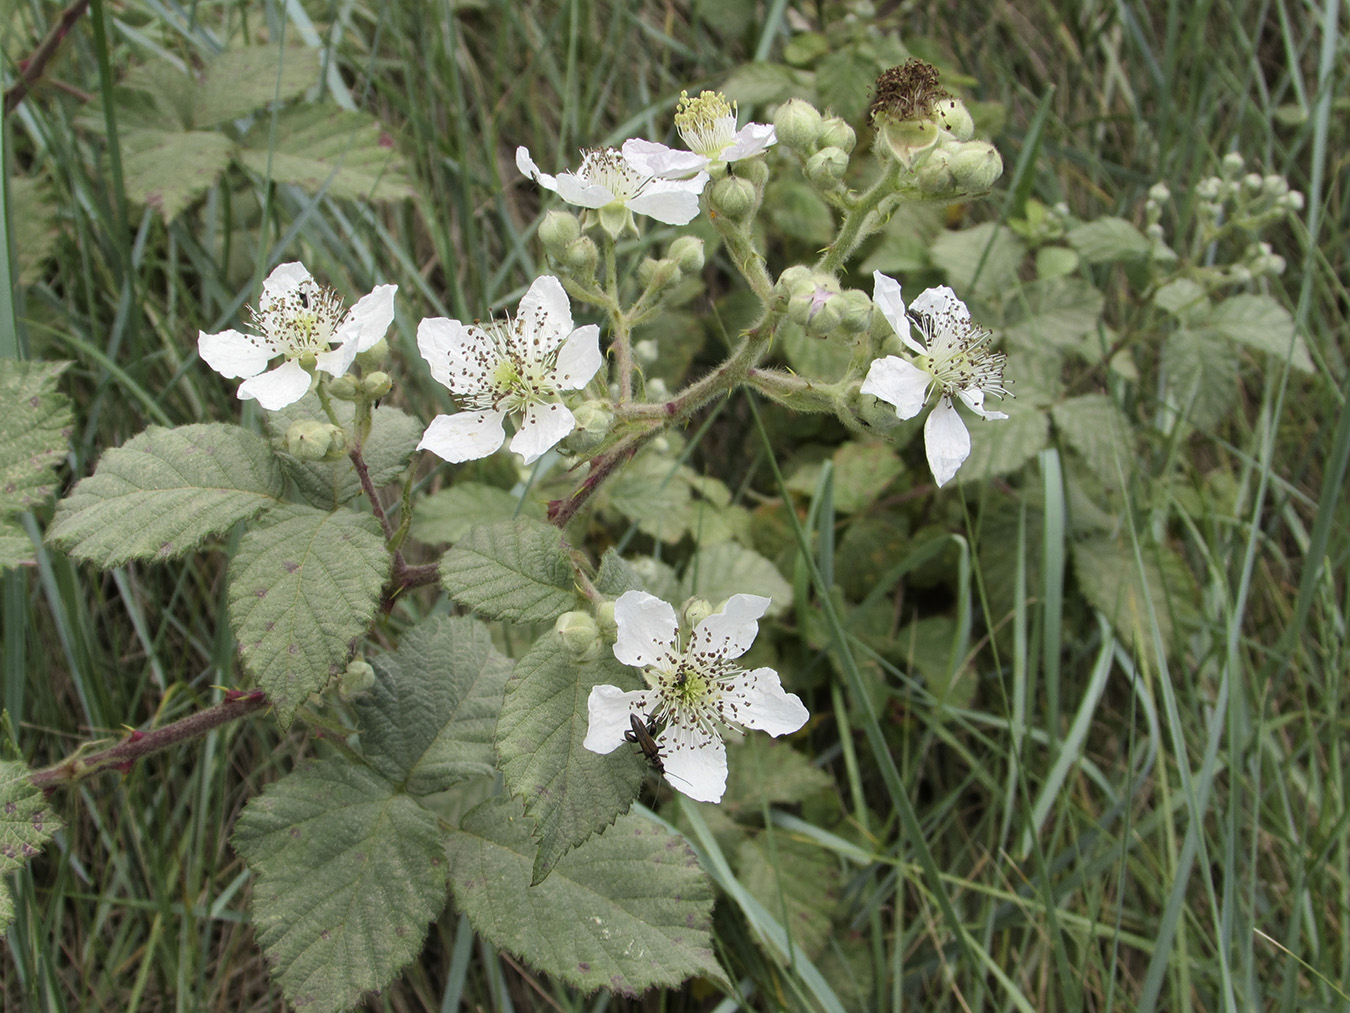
<point x="816" y="302"/>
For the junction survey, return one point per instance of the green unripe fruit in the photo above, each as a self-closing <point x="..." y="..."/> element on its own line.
<point x="311" y="440"/>
<point x="376" y="385"/>
<point x="687" y="252"/>
<point x="557" y="231"/>
<point x="797" y="124"/>
<point x="732" y="197"/>
<point x="838" y="134"/>
<point x="580" y="635"/>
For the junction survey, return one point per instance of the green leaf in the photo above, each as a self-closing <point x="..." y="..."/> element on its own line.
<point x="516" y="570"/>
<point x="817" y="358"/>
<point x="449" y="515"/>
<point x="925" y="645"/>
<point x="628" y="910"/>
<point x="27" y="822"/>
<point x="1201" y="374"/>
<point x="797" y="210"/>
<point x="1108" y="240"/>
<point x="1060" y="312"/>
<point x="1095" y="427"/>
<point x="328" y="484"/>
<point x="35" y="421"/>
<point x="1113" y="582"/>
<point x="1259" y="322"/>
<point x="796" y="881"/>
<point x="617" y="575"/>
<point x="34" y="225"/>
<point x="718" y="571"/>
<point x="1184" y="299"/>
<point x="761" y="83"/>
<point x="349" y="872"/>
<point x="1055" y="262"/>
<point x="1001" y="446"/>
<point x="304" y="585"/>
<point x="845" y="76"/>
<point x="992" y="250"/>
<point x="169" y="169"/>
<point x="239" y="81"/>
<point x="763" y="771"/>
<point x="902" y="247"/>
<point x="429" y="720"/>
<point x="165" y="492"/>
<point x="862" y="469"/>
<point x="321" y="149"/>
<point x="668" y="501"/>
<point x="569" y="791"/>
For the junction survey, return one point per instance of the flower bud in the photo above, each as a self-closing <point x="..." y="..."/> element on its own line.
<point x="646" y="352"/>
<point x="976" y="167"/>
<point x="825" y="320"/>
<point x="826" y="167"/>
<point x="373" y="357"/>
<point x="732" y="197"/>
<point x="687" y="252"/>
<point x="312" y="440"/>
<point x="1293" y="200"/>
<point x="580" y="635"/>
<point x="753" y="170"/>
<point x="838" y="134"/>
<point x="358" y="677"/>
<point x="1252" y="182"/>
<point x="594" y="420"/>
<point x="1159" y="193"/>
<point x="557" y="231"/>
<point x="344" y="388"/>
<point x="791" y="281"/>
<point x="696" y="610"/>
<point x="808" y="300"/>
<point x="1232" y="164"/>
<point x="934" y="177"/>
<point x="955" y="118"/>
<point x="855" y="310"/>
<point x="658" y="274"/>
<point x="797" y="124"/>
<point x="580" y="258"/>
<point x="376" y="385"/>
<point x="1275" y="186"/>
<point x="604" y="619"/>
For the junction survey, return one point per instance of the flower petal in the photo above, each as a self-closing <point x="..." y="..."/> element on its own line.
<point x="899" y="383"/>
<point x="941" y="302"/>
<point x="286" y="384"/>
<point x="946" y="440"/>
<point x="750" y="140"/>
<point x="579" y="359"/>
<point x="730" y="632"/>
<point x="674" y="202"/>
<point x="233" y="353"/>
<point x="465" y="436"/>
<point x="582" y="192"/>
<point x="609" y="708"/>
<point x="446" y="345"/>
<point x="545" y="313"/>
<point x="337" y="361"/>
<point x="974" y="399"/>
<point x="648" y="630"/>
<point x="886" y="295"/>
<point x="526" y="165"/>
<point x="765" y="705"/>
<point x="696" y="765"/>
<point x="541" y="429"/>
<point x="653" y="159"/>
<point x="368" y="320"/>
<point x="284" y="279"/>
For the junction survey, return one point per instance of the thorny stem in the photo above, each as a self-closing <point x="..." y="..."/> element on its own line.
<point x="32" y="68"/>
<point x="237" y="704"/>
<point x="859" y="223"/>
<point x="368" y="487"/>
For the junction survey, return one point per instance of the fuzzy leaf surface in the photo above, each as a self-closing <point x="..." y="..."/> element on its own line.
<point x="718" y="571"/>
<point x="169" y="169"/>
<point x="27" y="822"/>
<point x="349" y="872"/>
<point x="1259" y="322"/>
<point x="516" y="570"/>
<point x="451" y="513"/>
<point x="1114" y="582"/>
<point x="164" y="492"/>
<point x="628" y="910"/>
<point x="34" y="436"/>
<point x="303" y="586"/>
<point x="239" y="81"/>
<point x="569" y="791"/>
<point x="1202" y="376"/>
<point x="429" y="720"/>
<point x="1108" y="239"/>
<point x="1095" y="427"/>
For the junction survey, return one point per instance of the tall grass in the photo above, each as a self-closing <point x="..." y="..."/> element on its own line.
<point x="1100" y="830"/>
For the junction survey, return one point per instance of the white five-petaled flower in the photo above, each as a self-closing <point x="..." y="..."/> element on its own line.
<point x="518" y="364"/>
<point x="957" y="362"/>
<point x="606" y="178"/>
<point x="708" y="125"/>
<point x="302" y="321"/>
<point x="694" y="690"/>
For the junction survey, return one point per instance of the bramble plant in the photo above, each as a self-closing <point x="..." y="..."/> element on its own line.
<point x="497" y="751"/>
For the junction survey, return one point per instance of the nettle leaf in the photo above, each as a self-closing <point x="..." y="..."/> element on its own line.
<point x="27" y="822"/>
<point x="349" y="871"/>
<point x="165" y="492"/>
<point x="328" y="484"/>
<point x="1259" y="322"/>
<point x="1095" y="427"/>
<point x="1201" y="374"/>
<point x="1056" y="311"/>
<point x="429" y="720"/>
<point x="1113" y="582"/>
<point x="981" y="261"/>
<point x="716" y="572"/>
<point x="569" y="791"/>
<point x="169" y="169"/>
<point x="516" y="570"/>
<point x="1108" y="239"/>
<point x="1001" y="446"/>
<point x="338" y="152"/>
<point x="239" y="81"/>
<point x="797" y="882"/>
<point x="304" y="585"/>
<point x="450" y="514"/>
<point x="35" y="421"/>
<point x="628" y="910"/>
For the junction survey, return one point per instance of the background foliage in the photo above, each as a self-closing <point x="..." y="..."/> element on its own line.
<point x="1002" y="796"/>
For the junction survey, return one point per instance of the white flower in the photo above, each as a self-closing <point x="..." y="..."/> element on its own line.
<point x="707" y="124"/>
<point x="509" y="365"/>
<point x="694" y="691"/>
<point x="302" y="321"/>
<point x="956" y="362"/>
<point x="606" y="178"/>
